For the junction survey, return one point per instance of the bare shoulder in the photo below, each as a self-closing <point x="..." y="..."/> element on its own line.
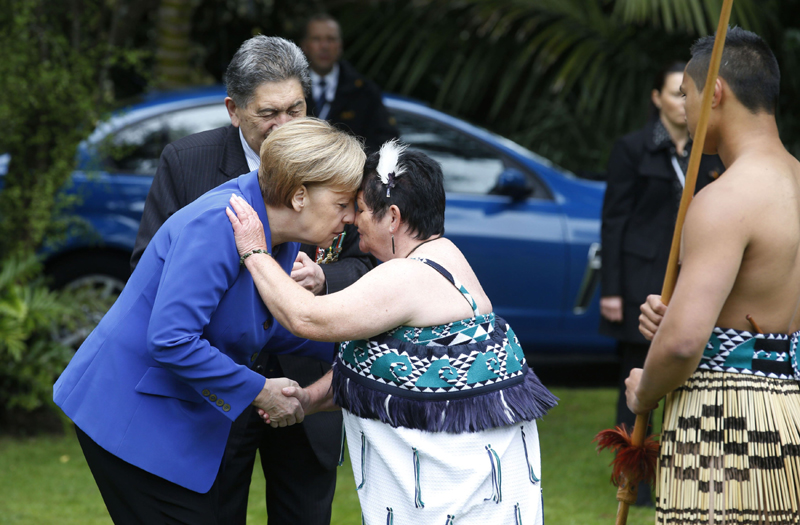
<point x="394" y="270"/>
<point x="743" y="190"/>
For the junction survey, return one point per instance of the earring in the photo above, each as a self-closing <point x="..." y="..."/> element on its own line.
<point x="392" y="244"/>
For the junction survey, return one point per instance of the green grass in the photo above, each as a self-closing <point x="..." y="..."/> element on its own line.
<point x="45" y="480"/>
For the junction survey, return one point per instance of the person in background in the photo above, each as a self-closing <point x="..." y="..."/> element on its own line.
<point x="155" y="388"/>
<point x="338" y="92"/>
<point x="267" y="82"/>
<point x="646" y="172"/>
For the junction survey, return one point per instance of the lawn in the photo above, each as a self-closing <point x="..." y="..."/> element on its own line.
<point x="45" y="480"/>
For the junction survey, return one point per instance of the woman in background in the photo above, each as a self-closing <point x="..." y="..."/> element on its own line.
<point x="646" y="172"/>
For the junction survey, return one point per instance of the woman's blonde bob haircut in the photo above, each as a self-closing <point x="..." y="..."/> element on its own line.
<point x="305" y="152"/>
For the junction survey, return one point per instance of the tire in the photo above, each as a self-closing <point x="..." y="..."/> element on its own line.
<point x="94" y="280"/>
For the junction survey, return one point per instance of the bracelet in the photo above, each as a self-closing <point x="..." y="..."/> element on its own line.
<point x="248" y="254"/>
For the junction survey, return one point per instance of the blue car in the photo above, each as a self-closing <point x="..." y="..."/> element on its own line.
<point x="530" y="230"/>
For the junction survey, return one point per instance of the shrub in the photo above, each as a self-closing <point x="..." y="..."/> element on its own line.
<point x="30" y="314"/>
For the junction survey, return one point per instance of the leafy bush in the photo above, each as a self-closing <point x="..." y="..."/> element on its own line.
<point x="52" y="97"/>
<point x="54" y="63"/>
<point x="30" y="314"/>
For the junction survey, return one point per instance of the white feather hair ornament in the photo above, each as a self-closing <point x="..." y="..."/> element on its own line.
<point x="388" y="168"/>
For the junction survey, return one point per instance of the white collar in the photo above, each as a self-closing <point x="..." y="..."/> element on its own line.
<point x="253" y="160"/>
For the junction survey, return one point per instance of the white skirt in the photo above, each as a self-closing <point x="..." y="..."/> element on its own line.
<point x="413" y="477"/>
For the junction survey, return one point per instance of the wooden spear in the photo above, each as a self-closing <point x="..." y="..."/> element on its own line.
<point x="626" y="494"/>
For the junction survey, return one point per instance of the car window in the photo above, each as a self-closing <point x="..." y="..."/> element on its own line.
<point x="469" y="165"/>
<point x="137" y="148"/>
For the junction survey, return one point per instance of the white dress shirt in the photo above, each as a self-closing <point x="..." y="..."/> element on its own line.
<point x="331" y="81"/>
<point x="253" y="159"/>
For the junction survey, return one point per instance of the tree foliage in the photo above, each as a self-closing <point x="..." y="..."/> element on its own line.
<point x="53" y="77"/>
<point x="49" y="77"/>
<point x="563" y="77"/>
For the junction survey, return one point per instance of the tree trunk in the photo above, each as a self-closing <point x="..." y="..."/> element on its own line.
<point x="172" y="67"/>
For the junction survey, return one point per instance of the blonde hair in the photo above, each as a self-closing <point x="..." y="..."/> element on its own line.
<point x="308" y="151"/>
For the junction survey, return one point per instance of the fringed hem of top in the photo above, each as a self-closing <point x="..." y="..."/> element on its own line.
<point x="524" y="401"/>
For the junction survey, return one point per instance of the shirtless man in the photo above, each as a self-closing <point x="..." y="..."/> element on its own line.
<point x="730" y="446"/>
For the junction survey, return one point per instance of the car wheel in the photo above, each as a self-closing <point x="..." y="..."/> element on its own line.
<point x="93" y="282"/>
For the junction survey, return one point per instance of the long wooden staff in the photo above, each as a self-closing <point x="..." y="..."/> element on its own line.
<point x="627" y="491"/>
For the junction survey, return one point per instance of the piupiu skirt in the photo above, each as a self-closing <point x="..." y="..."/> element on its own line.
<point x="730" y="451"/>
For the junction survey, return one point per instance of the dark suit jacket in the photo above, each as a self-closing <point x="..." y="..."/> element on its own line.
<point x="639" y="212"/>
<point x="193" y="165"/>
<point x="358" y="108"/>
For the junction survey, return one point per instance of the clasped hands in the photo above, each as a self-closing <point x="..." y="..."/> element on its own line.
<point x="282" y="402"/>
<point x="653" y="311"/>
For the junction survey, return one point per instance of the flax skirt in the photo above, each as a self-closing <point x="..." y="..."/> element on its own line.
<point x="730" y="451"/>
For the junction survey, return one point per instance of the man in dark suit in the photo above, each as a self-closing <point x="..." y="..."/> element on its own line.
<point x="339" y="93"/>
<point x="267" y="81"/>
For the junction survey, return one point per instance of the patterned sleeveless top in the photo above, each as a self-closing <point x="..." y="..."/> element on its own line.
<point x="463" y="376"/>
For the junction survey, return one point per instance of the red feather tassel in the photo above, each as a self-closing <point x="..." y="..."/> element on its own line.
<point x="633" y="463"/>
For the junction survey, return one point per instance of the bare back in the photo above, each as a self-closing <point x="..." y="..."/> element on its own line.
<point x="439" y="301"/>
<point x="765" y="187"/>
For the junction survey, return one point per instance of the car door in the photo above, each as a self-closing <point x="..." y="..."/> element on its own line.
<point x="516" y="247"/>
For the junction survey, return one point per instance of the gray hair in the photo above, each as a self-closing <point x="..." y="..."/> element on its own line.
<point x="264" y="59"/>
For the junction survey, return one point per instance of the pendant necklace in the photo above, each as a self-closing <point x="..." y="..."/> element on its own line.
<point x="420" y="244"/>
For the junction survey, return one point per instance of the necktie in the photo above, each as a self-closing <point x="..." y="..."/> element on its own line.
<point x="323" y="98"/>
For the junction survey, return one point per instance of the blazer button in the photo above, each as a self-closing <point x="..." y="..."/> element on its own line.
<point x="220" y="402"/>
<point x="212" y="397"/>
<point x="267" y="324"/>
<point x="253" y="357"/>
<point x="206" y="393"/>
<point x="226" y="407"/>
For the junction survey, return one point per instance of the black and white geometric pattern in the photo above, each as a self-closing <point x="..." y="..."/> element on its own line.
<point x="461" y="363"/>
<point x="770" y="355"/>
<point x="467" y="331"/>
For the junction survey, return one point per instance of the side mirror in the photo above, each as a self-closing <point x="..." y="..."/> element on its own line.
<point x="512" y="183"/>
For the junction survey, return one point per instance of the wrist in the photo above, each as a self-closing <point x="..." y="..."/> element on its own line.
<point x="645" y="400"/>
<point x="248" y="254"/>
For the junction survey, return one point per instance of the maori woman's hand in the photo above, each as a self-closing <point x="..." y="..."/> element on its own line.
<point x="247" y="227"/>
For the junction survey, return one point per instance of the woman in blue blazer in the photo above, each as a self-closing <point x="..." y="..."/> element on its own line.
<point x="155" y="387"/>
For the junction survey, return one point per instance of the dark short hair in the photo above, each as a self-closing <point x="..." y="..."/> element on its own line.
<point x="319" y="17"/>
<point x="661" y="77"/>
<point x="263" y="59"/>
<point x="748" y="66"/>
<point x="418" y="193"/>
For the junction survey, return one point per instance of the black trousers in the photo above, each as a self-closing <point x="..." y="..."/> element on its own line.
<point x="136" y="497"/>
<point x="631" y="355"/>
<point x="299" y="489"/>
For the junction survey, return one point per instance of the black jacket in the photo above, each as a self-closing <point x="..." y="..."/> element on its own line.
<point x="193" y="165"/>
<point x="639" y="212"/>
<point x="358" y="108"/>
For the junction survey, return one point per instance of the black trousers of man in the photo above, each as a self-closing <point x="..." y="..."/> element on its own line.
<point x="299" y="489"/>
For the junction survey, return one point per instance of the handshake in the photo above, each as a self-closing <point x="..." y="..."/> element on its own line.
<point x="282" y="402"/>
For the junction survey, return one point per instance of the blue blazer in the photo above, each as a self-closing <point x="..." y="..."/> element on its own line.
<point x="160" y="380"/>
